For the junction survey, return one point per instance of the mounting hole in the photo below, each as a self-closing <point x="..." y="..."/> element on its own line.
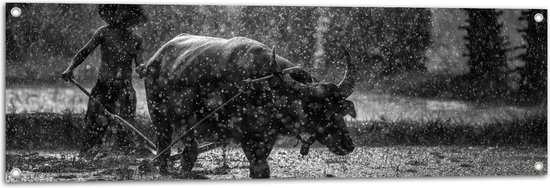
<point x="539" y="166"/>
<point x="15" y="12"/>
<point x="15" y="173"/>
<point x="539" y="17"/>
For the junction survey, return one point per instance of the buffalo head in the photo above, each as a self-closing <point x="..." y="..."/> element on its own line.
<point x="324" y="106"/>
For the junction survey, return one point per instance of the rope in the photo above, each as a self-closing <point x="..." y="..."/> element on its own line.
<point x="194" y="126"/>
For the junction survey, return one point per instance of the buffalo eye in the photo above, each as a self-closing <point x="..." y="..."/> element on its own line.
<point x="349" y="108"/>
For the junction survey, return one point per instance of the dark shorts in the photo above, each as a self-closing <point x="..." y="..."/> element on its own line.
<point x="118" y="97"/>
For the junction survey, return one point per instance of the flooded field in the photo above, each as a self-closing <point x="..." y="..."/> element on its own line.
<point x="369" y="106"/>
<point x="397" y="108"/>
<point x="56" y="100"/>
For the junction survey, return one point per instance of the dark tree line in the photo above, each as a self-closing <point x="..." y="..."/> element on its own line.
<point x="38" y="41"/>
<point x="486" y="53"/>
<point x="534" y="81"/>
<point x="487" y="59"/>
<point x="387" y="41"/>
<point x="290" y="29"/>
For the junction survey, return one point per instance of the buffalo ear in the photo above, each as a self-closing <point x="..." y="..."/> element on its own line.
<point x="349" y="108"/>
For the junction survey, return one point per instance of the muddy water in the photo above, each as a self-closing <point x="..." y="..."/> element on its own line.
<point x="396" y="108"/>
<point x="57" y="100"/>
<point x="364" y="162"/>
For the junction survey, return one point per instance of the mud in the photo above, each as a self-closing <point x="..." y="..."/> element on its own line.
<point x="364" y="162"/>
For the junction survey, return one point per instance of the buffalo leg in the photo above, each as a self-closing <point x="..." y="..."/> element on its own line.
<point x="257" y="152"/>
<point x="189" y="155"/>
<point x="159" y="110"/>
<point x="164" y="137"/>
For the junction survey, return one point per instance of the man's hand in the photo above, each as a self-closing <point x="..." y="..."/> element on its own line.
<point x="68" y="74"/>
<point x="141" y="70"/>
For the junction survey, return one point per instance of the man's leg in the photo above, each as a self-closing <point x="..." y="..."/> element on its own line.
<point x="96" y="122"/>
<point x="126" y="108"/>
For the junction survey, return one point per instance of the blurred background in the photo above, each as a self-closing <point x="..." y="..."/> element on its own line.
<point x="410" y="59"/>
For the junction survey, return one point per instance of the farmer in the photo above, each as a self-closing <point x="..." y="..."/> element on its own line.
<point x="113" y="89"/>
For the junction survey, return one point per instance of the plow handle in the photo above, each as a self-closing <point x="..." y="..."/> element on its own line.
<point x="148" y="142"/>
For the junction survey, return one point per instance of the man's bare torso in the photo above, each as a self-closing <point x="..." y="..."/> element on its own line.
<point x="119" y="48"/>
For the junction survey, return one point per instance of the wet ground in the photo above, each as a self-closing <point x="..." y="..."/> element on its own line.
<point x="364" y="162"/>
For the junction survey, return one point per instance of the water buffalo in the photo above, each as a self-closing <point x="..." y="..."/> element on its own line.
<point x="190" y="76"/>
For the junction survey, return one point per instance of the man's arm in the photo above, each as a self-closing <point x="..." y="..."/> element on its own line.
<point x="83" y="53"/>
<point x="138" y="60"/>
